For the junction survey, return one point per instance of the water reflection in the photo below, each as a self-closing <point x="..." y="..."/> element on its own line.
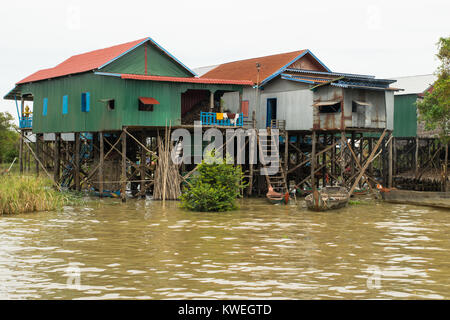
<point x="142" y="250"/>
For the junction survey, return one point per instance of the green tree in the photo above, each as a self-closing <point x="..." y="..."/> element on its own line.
<point x="9" y="138"/>
<point x="434" y="109"/>
<point x="215" y="187"/>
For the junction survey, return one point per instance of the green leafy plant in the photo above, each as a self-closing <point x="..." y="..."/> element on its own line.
<point x="435" y="107"/>
<point x="216" y="186"/>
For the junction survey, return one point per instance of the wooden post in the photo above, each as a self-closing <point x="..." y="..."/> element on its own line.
<point x="38" y="150"/>
<point x="445" y="173"/>
<point x="370" y="151"/>
<point x="250" y="179"/>
<point x="313" y="161"/>
<point x="324" y="161"/>
<point x="21" y="152"/>
<point x="211" y="101"/>
<point x="416" y="157"/>
<point x="142" y="163"/>
<point x="391" y="142"/>
<point x="57" y="155"/>
<point x="333" y="159"/>
<point x="101" y="162"/>
<point x="394" y="160"/>
<point x="286" y="152"/>
<point x="352" y="161"/>
<point x="77" y="161"/>
<point x="342" y="157"/>
<point x="124" y="168"/>
<point x="361" y="154"/>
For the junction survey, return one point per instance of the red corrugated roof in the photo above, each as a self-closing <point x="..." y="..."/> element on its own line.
<point x="82" y="62"/>
<point x="186" y="80"/>
<point x="148" y="100"/>
<point x="246" y="69"/>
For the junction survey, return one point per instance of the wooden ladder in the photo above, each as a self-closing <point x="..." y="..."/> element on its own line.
<point x="277" y="181"/>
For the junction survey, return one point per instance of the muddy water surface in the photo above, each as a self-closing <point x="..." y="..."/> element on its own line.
<point x="142" y="249"/>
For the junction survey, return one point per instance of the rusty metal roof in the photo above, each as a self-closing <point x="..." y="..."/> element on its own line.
<point x="185" y="80"/>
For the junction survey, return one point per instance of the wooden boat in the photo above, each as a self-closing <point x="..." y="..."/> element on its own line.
<point x="327" y="198"/>
<point x="276" y="197"/>
<point x="419" y="198"/>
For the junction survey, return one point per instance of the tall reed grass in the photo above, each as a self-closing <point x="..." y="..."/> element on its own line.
<point x="19" y="194"/>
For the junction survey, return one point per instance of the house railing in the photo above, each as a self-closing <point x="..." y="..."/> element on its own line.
<point x="278" y="124"/>
<point x="25" y="122"/>
<point x="210" y="119"/>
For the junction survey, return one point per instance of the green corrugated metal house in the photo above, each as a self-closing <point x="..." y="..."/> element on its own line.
<point x="406" y="122"/>
<point x="135" y="84"/>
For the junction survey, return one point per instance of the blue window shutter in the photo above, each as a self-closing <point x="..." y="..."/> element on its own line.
<point x="88" y="101"/>
<point x="44" y="106"/>
<point x="65" y="104"/>
<point x="83" y="102"/>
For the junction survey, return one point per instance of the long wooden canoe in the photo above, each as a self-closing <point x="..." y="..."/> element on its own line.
<point x="420" y="198"/>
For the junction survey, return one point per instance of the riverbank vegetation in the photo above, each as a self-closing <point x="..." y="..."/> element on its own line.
<point x="20" y="194"/>
<point x="9" y="138"/>
<point x="434" y="109"/>
<point x="216" y="186"/>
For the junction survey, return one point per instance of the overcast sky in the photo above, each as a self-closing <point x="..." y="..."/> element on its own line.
<point x="384" y="38"/>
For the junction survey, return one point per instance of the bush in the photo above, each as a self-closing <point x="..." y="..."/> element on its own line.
<point x="215" y="188"/>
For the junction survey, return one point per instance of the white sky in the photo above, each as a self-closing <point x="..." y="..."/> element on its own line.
<point x="383" y="38"/>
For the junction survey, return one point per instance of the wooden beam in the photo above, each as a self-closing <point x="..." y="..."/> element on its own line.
<point x="38" y="151"/>
<point x="313" y="161"/>
<point x="124" y="167"/>
<point x="101" y="162"/>
<point x="390" y="159"/>
<point x="57" y="154"/>
<point x="368" y="162"/>
<point x="77" y="161"/>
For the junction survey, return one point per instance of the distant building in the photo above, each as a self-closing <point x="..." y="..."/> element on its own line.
<point x="406" y="122"/>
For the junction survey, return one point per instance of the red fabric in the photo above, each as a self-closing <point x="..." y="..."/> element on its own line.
<point x="186" y="80"/>
<point x="82" y="62"/>
<point x="148" y="100"/>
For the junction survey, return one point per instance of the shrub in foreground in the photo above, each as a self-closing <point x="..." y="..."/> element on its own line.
<point x="215" y="188"/>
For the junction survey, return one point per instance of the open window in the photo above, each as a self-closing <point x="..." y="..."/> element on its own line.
<point x="110" y="103"/>
<point x="333" y="106"/>
<point x="85" y="101"/>
<point x="356" y="104"/>
<point x="147" y="103"/>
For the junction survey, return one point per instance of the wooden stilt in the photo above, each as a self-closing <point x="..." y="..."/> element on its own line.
<point x="313" y="161"/>
<point x="445" y="174"/>
<point x="416" y="157"/>
<point x="77" y="161"/>
<point x="333" y="159"/>
<point x="57" y="155"/>
<point x="101" y="162"/>
<point x="38" y="152"/>
<point x="390" y="162"/>
<point x="286" y="152"/>
<point x="211" y="101"/>
<point x="21" y="152"/>
<point x="142" y="163"/>
<point x="124" y="168"/>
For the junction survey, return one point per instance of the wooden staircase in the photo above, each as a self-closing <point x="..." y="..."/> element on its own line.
<point x="277" y="180"/>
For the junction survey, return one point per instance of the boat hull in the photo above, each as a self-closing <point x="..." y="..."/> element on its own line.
<point x="329" y="198"/>
<point x="419" y="198"/>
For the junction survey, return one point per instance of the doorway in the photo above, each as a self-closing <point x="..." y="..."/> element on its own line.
<point x="271" y="111"/>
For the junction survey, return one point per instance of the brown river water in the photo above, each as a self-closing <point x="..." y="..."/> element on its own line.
<point x="146" y="250"/>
